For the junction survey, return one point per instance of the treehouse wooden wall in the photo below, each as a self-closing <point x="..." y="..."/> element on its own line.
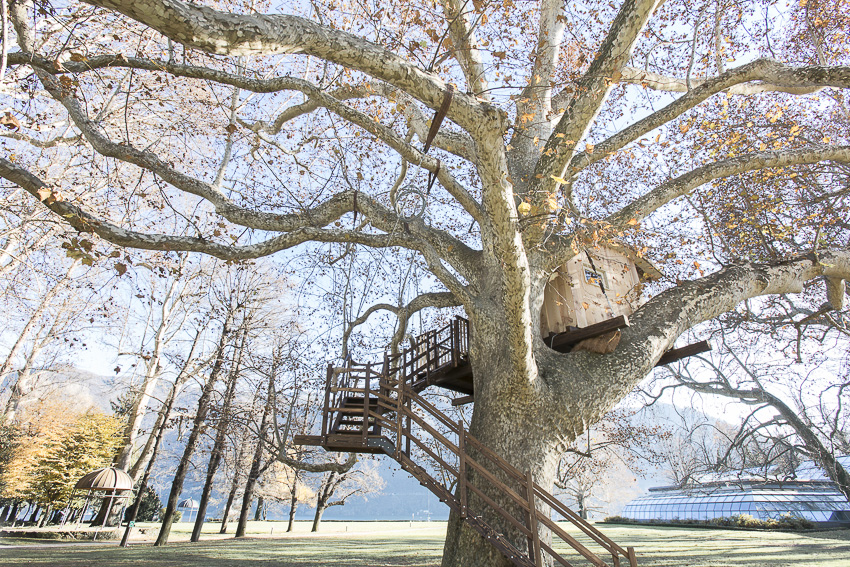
<point x="573" y="299"/>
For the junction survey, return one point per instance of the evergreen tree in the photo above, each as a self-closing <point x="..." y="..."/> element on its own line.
<point x="149" y="507"/>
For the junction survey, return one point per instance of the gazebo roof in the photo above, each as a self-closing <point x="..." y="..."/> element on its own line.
<point x="109" y="478"/>
<point x="188" y="503"/>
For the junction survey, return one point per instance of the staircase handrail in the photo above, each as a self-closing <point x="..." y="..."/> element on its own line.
<point x="522" y="479"/>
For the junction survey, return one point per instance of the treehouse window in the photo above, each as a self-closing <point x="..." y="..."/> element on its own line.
<point x="595" y="277"/>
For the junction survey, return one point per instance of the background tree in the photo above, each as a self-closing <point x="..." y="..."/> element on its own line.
<point x="339" y="486"/>
<point x="149" y="506"/>
<point x="599" y="471"/>
<point x="530" y="164"/>
<point x="792" y="410"/>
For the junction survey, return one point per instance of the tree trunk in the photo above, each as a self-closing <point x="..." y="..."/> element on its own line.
<point x="234" y="483"/>
<point x="42" y="521"/>
<point x="192" y="441"/>
<point x="164" y="413"/>
<point x="256" y="461"/>
<point x="517" y="426"/>
<point x="220" y="440"/>
<point x="13" y="513"/>
<point x="231" y="496"/>
<point x="260" y="513"/>
<point x="320" y="509"/>
<point x="110" y="506"/>
<point x="293" y="502"/>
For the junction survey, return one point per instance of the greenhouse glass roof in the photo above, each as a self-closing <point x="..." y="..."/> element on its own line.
<point x="813" y="499"/>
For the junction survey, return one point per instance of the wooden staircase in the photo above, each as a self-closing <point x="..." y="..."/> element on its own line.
<point x="376" y="408"/>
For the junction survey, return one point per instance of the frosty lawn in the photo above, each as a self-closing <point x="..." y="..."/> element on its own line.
<point x="402" y="544"/>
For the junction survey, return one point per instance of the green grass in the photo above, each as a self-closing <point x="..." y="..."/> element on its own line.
<point x="400" y="544"/>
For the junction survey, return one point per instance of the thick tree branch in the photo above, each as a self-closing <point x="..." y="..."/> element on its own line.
<point x="655" y="327"/>
<point x="456" y="143"/>
<point x="534" y="107"/>
<point x="771" y="74"/>
<point x="461" y="16"/>
<point x="590" y="93"/>
<point x="36" y="143"/>
<point x="644" y="206"/>
<point x="223" y="33"/>
<point x="782" y="81"/>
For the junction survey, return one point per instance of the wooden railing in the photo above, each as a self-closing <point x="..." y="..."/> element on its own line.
<point x="379" y="405"/>
<point x="431" y="352"/>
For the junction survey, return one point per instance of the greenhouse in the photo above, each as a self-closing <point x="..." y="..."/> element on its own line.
<point x="808" y="496"/>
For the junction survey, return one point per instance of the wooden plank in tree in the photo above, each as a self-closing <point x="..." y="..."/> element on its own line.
<point x="603" y="344"/>
<point x="563" y="342"/>
<point x="463" y="400"/>
<point x="316" y="440"/>
<point x="675" y="354"/>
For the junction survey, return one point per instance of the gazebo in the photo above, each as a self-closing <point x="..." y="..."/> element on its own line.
<point x="189" y="504"/>
<point x="114" y="483"/>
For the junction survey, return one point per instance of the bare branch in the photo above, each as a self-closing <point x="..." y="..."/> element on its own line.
<point x="223" y="33"/>
<point x="773" y="76"/>
<point x="36" y="143"/>
<point x="644" y="206"/>
<point x="328" y="466"/>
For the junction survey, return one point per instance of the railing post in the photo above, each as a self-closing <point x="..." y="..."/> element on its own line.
<point x="534" y="539"/>
<point x="327" y="406"/>
<point x="399" y="403"/>
<point x="408" y="403"/>
<point x="632" y="556"/>
<point x="366" y="386"/>
<point x="461" y="467"/>
<point x="455" y="337"/>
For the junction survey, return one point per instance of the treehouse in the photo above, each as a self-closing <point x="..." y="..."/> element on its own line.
<point x="592" y="287"/>
<point x="590" y="297"/>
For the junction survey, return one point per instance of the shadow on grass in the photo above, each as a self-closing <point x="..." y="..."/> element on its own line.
<point x="656" y="547"/>
<point x="409" y="551"/>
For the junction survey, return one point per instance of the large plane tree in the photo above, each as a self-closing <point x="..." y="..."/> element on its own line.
<point x="710" y="135"/>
